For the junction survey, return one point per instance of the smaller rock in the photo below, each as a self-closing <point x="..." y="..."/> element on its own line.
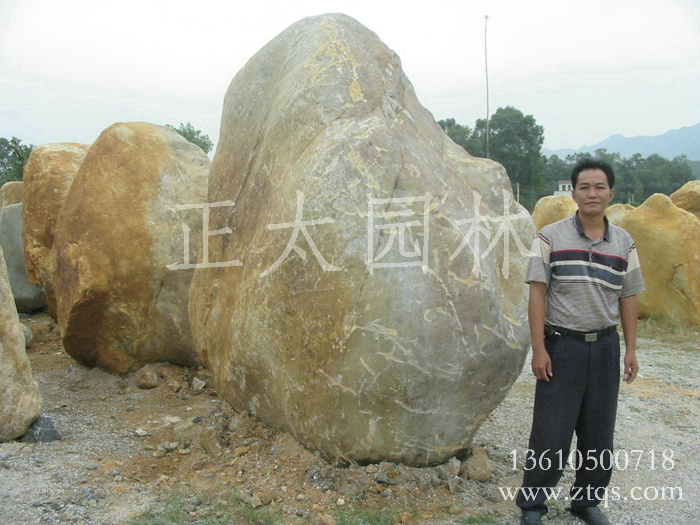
<point x="304" y="514"/>
<point x="140" y="432"/>
<point x="457" y="485"/>
<point x="326" y="519"/>
<point x="453" y="466"/>
<point x="42" y="431"/>
<point x="198" y="385"/>
<point x="186" y="431"/>
<point x="147" y="378"/>
<point x="28" y="336"/>
<point x="383" y="478"/>
<point x="386" y="494"/>
<point x="478" y="467"/>
<point x="255" y="501"/>
<point x="240" y="451"/>
<point x="209" y="441"/>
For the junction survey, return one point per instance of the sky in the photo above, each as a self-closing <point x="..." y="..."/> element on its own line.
<point x="585" y="69"/>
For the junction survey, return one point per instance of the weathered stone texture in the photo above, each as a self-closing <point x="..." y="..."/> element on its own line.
<point x="398" y="364"/>
<point x="11" y="193"/>
<point x="19" y="391"/>
<point x="48" y="176"/>
<point x="28" y="296"/>
<point x="668" y="242"/>
<point x="553" y="208"/>
<point x="118" y="306"/>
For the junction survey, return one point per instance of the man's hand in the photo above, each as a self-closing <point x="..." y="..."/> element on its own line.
<point x="541" y="364"/>
<point x="629" y="312"/>
<point x="631" y="367"/>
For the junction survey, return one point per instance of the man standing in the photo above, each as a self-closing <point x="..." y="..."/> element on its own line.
<point x="584" y="278"/>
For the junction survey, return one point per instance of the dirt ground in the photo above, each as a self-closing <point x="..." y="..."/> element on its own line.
<point x="130" y="454"/>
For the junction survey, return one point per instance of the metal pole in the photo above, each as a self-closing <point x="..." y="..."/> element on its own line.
<point x="488" y="112"/>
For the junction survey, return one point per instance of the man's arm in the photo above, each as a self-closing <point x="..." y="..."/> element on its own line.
<point x="629" y="312"/>
<point x="541" y="363"/>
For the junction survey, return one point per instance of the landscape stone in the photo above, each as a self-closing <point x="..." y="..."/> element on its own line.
<point x="668" y="243"/>
<point x="119" y="306"/>
<point x="553" y="208"/>
<point x="11" y="193"/>
<point x="688" y="197"/>
<point x="358" y="360"/>
<point x="28" y="297"/>
<point x="48" y="175"/>
<point x="19" y="391"/>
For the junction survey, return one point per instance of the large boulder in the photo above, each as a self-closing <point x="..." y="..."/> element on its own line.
<point x="615" y="212"/>
<point x="19" y="391"/>
<point x="375" y="332"/>
<point x="688" y="197"/>
<point x="28" y="296"/>
<point x="553" y="208"/>
<point x="48" y="175"/>
<point x="668" y="243"/>
<point x="11" y="193"/>
<point x="118" y="305"/>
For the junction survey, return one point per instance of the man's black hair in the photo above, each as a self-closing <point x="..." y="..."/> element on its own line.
<point x="592" y="164"/>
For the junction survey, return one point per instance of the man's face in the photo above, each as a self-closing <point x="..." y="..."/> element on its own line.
<point x="592" y="192"/>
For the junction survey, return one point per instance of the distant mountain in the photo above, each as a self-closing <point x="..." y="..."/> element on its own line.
<point x="683" y="141"/>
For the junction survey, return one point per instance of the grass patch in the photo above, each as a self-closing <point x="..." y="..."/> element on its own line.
<point x="668" y="331"/>
<point x="178" y="508"/>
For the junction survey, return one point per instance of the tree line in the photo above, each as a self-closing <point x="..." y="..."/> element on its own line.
<point x="515" y="141"/>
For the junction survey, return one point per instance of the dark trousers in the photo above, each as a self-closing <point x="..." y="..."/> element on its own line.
<point x="580" y="397"/>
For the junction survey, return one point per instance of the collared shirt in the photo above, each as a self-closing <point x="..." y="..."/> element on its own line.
<point x="585" y="278"/>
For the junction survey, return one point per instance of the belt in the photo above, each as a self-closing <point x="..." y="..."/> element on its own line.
<point x="589" y="337"/>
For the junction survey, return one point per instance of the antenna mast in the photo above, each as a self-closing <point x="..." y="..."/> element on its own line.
<point x="488" y="112"/>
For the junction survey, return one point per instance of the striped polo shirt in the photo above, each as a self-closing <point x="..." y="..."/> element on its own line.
<point x="585" y="278"/>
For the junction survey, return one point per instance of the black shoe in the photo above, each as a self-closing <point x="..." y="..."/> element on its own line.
<point x="591" y="515"/>
<point x="531" y="517"/>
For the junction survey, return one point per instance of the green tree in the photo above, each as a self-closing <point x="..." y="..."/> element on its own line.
<point x="13" y="157"/>
<point x="555" y="170"/>
<point x="457" y="132"/>
<point x="515" y="142"/>
<point x="636" y="177"/>
<point x="195" y="136"/>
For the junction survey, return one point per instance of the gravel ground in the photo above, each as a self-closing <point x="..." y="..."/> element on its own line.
<point x="118" y="458"/>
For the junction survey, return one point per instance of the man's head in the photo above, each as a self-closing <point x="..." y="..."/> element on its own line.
<point x="592" y="164"/>
<point x="592" y="181"/>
